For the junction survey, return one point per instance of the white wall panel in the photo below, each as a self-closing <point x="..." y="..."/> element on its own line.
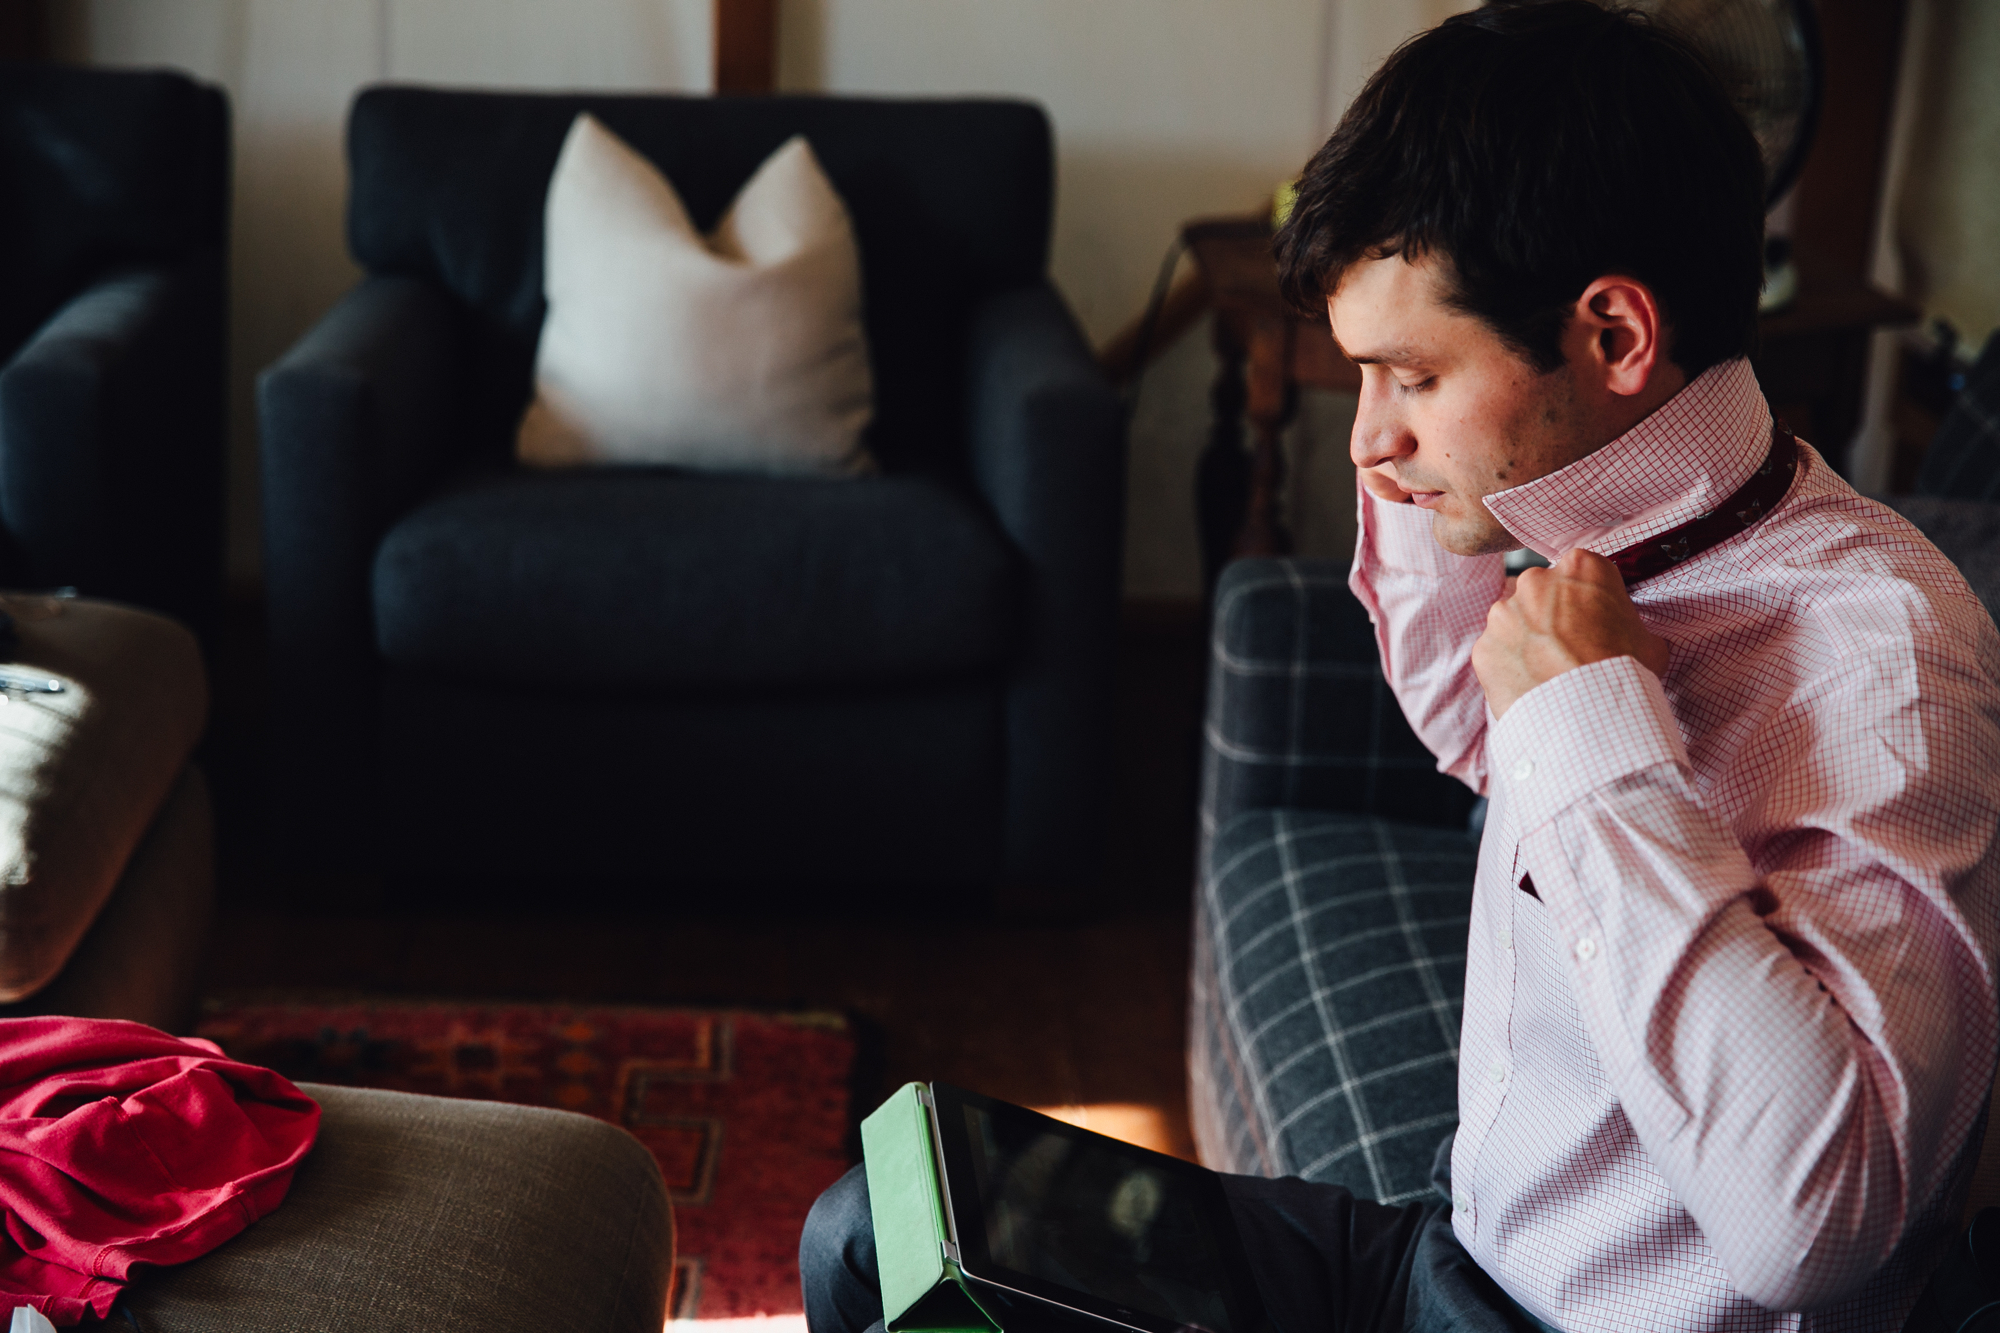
<point x="1164" y="110"/>
<point x="200" y="36"/>
<point x="633" y="44"/>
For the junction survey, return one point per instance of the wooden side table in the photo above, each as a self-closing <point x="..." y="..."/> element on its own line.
<point x="1812" y="357"/>
<point x="1812" y="363"/>
<point x="1268" y="352"/>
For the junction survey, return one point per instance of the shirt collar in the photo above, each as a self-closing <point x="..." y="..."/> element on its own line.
<point x="1683" y="460"/>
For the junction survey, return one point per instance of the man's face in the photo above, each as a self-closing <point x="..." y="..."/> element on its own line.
<point x="1448" y="412"/>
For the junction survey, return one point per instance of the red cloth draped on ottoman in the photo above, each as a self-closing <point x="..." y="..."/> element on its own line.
<point x="121" y="1145"/>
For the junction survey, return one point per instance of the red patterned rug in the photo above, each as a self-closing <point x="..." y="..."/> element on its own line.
<point x="746" y="1112"/>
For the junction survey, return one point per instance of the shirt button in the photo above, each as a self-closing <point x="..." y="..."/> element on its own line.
<point x="1586" y="948"/>
<point x="1461" y="1201"/>
<point x="1506" y="938"/>
<point x="1524" y="770"/>
<point x="1497" y="1072"/>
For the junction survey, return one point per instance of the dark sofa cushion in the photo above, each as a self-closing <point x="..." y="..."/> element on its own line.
<point x="102" y="168"/>
<point x="822" y="799"/>
<point x="641" y="578"/>
<point x="950" y="200"/>
<point x="1329" y="983"/>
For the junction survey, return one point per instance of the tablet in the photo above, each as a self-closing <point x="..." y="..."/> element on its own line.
<point x="1058" y="1224"/>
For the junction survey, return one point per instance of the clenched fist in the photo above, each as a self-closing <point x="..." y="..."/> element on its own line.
<point x="1555" y="620"/>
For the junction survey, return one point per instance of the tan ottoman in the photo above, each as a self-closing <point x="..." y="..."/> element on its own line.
<point x="106" y="852"/>
<point x="413" y="1214"/>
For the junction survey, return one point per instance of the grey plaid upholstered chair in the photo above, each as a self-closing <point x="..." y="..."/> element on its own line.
<point x="1335" y="889"/>
<point x="1957" y="500"/>
<point x="1963" y="462"/>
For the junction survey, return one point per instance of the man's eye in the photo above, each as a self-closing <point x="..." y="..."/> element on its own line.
<point x="1419" y="386"/>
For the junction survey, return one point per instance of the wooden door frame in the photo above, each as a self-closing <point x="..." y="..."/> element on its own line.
<point x="746" y="47"/>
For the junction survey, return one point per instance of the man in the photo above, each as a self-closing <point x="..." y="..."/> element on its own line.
<point x="1730" y="1006"/>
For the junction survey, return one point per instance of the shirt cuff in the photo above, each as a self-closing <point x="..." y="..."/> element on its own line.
<point x="1581" y="731"/>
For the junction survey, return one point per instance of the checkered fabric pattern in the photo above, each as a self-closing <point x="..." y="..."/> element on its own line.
<point x="1329" y="977"/>
<point x="1299" y="716"/>
<point x="1329" y="945"/>
<point x="1963" y="461"/>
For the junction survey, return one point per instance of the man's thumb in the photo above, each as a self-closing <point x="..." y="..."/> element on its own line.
<point x="1578" y="563"/>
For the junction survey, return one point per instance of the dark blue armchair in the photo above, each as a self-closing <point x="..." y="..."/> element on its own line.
<point x="112" y="315"/>
<point x="694" y="680"/>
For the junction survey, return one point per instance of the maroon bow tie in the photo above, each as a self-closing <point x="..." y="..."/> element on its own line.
<point x="1740" y="512"/>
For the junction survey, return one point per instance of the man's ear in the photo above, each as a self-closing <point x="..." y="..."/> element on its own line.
<point x="1620" y="333"/>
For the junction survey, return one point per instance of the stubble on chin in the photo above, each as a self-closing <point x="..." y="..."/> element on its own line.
<point x="1470" y="537"/>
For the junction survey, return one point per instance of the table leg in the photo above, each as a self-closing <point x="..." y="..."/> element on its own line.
<point x="1271" y="402"/>
<point x="1222" y="473"/>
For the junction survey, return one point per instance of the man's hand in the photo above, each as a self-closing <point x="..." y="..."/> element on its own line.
<point x="1556" y="620"/>
<point x="1380" y="482"/>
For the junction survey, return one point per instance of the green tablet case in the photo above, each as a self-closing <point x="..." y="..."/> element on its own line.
<point x="923" y="1288"/>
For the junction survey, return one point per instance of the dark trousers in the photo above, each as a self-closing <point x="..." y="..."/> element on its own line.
<point x="1324" y="1261"/>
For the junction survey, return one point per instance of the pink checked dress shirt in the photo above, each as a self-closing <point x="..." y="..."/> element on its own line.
<point x="1726" y="1061"/>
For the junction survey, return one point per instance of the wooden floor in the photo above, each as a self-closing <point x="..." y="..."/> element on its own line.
<point x="1079" y="1013"/>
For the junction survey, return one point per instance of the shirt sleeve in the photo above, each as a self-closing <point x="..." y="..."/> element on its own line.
<point x="1428" y="606"/>
<point x="1802" y="1033"/>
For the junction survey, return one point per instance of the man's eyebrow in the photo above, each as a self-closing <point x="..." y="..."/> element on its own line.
<point x="1387" y="356"/>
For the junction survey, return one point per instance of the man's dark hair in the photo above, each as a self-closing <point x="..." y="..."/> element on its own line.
<point x="1538" y="147"/>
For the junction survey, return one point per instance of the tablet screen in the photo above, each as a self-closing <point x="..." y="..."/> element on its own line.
<point x="1072" y="1210"/>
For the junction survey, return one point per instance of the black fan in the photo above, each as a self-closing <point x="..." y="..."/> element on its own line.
<point x="1767" y="54"/>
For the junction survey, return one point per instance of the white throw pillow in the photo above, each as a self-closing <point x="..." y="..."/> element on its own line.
<point x="742" y="351"/>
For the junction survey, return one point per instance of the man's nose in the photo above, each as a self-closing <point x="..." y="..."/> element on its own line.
<point x="1380" y="433"/>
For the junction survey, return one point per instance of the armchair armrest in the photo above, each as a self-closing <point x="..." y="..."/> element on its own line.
<point x="111" y="457"/>
<point x="1048" y="452"/>
<point x="1299" y="715"/>
<point x="357" y="422"/>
